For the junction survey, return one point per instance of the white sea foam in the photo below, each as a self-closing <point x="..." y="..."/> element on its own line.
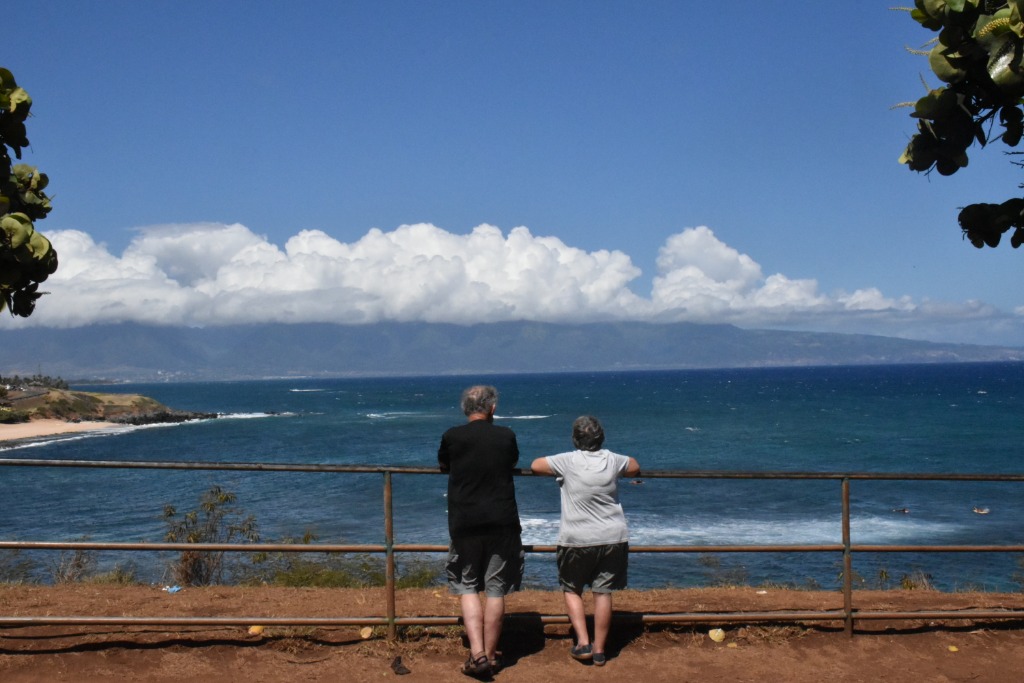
<point x="539" y="530"/>
<point x="393" y="415"/>
<point x="306" y="391"/>
<point x="398" y="414"/>
<point x="20" y="446"/>
<point x="876" y="529"/>
<point x="249" y="416"/>
<point x="650" y="529"/>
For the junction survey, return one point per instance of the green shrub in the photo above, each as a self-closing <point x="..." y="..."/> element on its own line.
<point x="15" y="567"/>
<point x="10" y="416"/>
<point x="720" y="574"/>
<point x="73" y="566"/>
<point x="335" y="570"/>
<point x="216" y="520"/>
<point x="70" y="408"/>
<point x="916" y="580"/>
<point x="118" y="576"/>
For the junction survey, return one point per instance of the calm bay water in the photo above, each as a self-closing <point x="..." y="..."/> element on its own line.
<point x="964" y="418"/>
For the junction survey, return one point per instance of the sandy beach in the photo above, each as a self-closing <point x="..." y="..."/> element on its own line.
<point x="40" y="428"/>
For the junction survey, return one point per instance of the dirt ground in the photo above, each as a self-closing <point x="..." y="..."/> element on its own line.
<point x="917" y="649"/>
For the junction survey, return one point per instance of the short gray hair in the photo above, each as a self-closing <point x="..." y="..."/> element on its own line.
<point x="479" y="399"/>
<point x="587" y="433"/>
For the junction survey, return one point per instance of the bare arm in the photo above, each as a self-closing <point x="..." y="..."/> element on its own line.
<point x="633" y="468"/>
<point x="541" y="466"/>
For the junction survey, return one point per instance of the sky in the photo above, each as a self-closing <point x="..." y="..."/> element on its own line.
<point x="468" y="162"/>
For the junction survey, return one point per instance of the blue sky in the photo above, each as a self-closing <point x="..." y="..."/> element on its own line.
<point x="479" y="161"/>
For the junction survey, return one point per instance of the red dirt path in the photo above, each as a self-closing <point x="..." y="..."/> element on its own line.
<point x="908" y="650"/>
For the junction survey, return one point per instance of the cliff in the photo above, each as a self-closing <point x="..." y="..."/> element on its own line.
<point x="86" y="406"/>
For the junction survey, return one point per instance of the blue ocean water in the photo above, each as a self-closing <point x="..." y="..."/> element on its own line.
<point x="961" y="418"/>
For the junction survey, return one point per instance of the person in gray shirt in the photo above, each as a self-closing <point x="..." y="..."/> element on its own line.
<point x="593" y="540"/>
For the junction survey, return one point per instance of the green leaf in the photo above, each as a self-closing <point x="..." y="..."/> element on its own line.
<point x="925" y="20"/>
<point x="38" y="245"/>
<point x="937" y="104"/>
<point x="17" y="98"/>
<point x="939" y="59"/>
<point x="17" y="228"/>
<point x="1017" y="17"/>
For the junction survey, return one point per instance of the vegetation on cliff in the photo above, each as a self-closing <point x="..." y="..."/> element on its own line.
<point x="30" y="401"/>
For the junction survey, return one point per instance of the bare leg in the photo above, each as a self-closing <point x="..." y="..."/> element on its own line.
<point x="602" y="619"/>
<point x="494" y="615"/>
<point x="577" y="616"/>
<point x="473" y="619"/>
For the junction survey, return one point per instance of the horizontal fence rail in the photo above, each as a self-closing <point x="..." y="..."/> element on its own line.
<point x="848" y="614"/>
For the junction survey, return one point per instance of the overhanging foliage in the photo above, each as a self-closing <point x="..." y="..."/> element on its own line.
<point x="978" y="54"/>
<point x="26" y="256"/>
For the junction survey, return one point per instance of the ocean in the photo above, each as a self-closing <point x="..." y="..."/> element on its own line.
<point x="950" y="418"/>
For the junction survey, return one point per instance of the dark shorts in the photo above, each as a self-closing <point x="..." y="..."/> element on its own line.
<point x="490" y="564"/>
<point x="603" y="567"/>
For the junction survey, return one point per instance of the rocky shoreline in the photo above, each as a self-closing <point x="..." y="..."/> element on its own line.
<point x="162" y="417"/>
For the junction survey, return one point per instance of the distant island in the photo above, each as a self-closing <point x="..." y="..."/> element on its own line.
<point x="131" y="352"/>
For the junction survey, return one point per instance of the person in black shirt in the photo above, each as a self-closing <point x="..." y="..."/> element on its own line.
<point x="486" y="551"/>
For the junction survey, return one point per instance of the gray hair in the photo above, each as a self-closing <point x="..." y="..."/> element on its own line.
<point x="479" y="399"/>
<point x="587" y="433"/>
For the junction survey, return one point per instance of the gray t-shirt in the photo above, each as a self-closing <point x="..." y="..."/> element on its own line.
<point x="591" y="512"/>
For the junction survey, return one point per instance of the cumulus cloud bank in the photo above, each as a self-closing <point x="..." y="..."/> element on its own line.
<point x="214" y="274"/>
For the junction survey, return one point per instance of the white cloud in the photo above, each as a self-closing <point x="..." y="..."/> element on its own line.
<point x="702" y="279"/>
<point x="210" y="274"/>
<point x="873" y="300"/>
<point x="190" y="254"/>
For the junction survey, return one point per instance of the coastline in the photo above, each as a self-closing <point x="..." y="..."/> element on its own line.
<point x="35" y="429"/>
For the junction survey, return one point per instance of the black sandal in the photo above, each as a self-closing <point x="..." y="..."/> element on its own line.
<point x="478" y="667"/>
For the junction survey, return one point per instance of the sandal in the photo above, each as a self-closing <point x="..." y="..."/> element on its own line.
<point x="581" y="653"/>
<point x="478" y="667"/>
<point x="497" y="664"/>
<point x="600" y="659"/>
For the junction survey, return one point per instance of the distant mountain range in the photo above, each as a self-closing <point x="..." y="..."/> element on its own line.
<point x="133" y="352"/>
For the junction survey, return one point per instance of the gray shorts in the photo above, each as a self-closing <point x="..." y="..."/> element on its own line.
<point x="491" y="564"/>
<point x="603" y="567"/>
